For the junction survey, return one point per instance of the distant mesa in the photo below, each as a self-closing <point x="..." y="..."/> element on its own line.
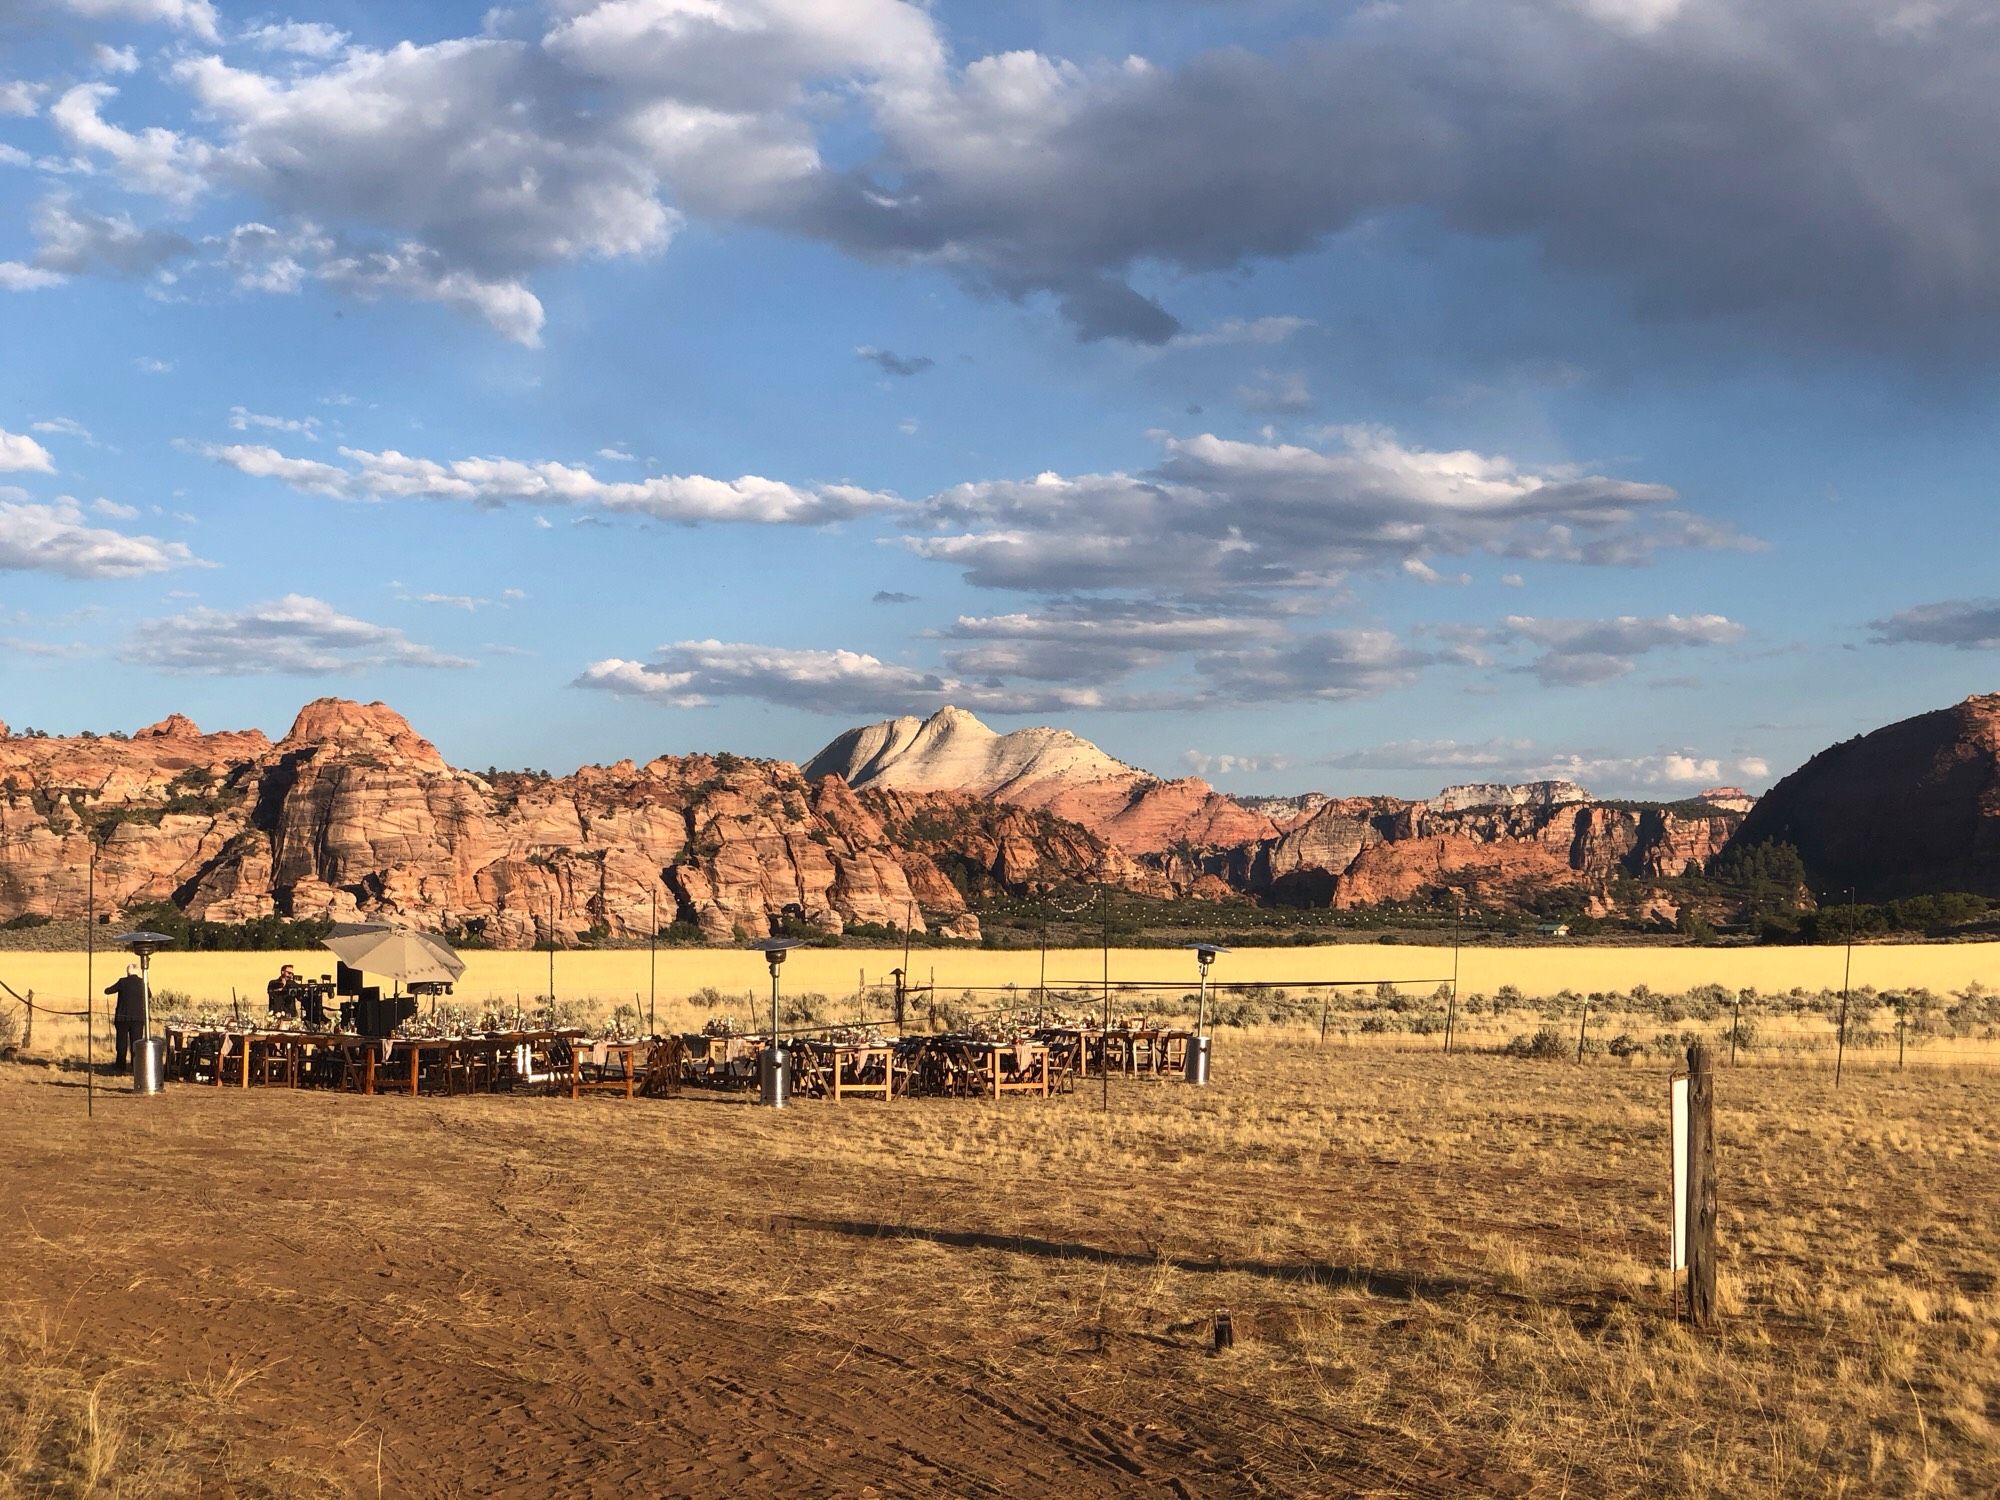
<point x="1499" y="794"/>
<point x="1728" y="798"/>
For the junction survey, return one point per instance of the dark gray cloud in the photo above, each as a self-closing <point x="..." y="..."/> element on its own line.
<point x="891" y="363"/>
<point x="1804" y="168"/>
<point x="71" y="241"/>
<point x="892" y="596"/>
<point x="1966" y="624"/>
<point x="1580" y="652"/>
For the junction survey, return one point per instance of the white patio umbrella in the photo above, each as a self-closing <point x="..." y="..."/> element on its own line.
<point x="396" y="953"/>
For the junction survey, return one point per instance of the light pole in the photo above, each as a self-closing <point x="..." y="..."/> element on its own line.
<point x="774" y="1082"/>
<point x="148" y="1052"/>
<point x="1198" y="1045"/>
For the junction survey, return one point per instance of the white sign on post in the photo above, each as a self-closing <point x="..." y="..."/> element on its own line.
<point x="1678" y="1236"/>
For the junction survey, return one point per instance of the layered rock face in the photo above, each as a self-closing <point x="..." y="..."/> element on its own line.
<point x="1912" y="808"/>
<point x="354" y="814"/>
<point x="980" y="847"/>
<point x="1047" y="769"/>
<point x="1368" y="851"/>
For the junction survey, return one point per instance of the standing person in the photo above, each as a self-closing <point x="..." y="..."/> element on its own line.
<point x="128" y="1017"/>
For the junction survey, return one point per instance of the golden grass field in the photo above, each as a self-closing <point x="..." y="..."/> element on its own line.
<point x="621" y="973"/>
<point x="1443" y="1274"/>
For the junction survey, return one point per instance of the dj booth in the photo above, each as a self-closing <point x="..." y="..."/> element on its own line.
<point x="363" y="1010"/>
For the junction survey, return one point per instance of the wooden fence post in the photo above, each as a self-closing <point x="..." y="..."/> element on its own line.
<point x="28" y="1024"/>
<point x="1701" y="1248"/>
<point x="1582" y="1026"/>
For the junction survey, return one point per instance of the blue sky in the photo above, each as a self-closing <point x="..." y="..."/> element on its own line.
<point x="1361" y="398"/>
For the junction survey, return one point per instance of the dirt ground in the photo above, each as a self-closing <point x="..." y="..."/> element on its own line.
<point x="1441" y="1274"/>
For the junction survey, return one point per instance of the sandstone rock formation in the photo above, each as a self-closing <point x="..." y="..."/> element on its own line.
<point x="980" y="847"/>
<point x="1048" y="769"/>
<point x="354" y="814"/>
<point x="1909" y="809"/>
<point x="1368" y="851"/>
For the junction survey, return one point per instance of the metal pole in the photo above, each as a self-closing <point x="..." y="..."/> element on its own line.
<point x="774" y="1005"/>
<point x="653" y="969"/>
<point x="1846" y="977"/>
<point x="1104" y="1055"/>
<point x="90" y="986"/>
<point x="1900" y="1023"/>
<point x="1201" y="1013"/>
<point x="1581" y="1027"/>
<point x="1042" y="986"/>
<point x="552" y="954"/>
<point x="1451" y="1005"/>
<point x="1736" y="1031"/>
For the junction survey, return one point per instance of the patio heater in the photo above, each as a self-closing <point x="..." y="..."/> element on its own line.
<point x="774" y="1067"/>
<point x="1198" y="1044"/>
<point x="149" y="1053"/>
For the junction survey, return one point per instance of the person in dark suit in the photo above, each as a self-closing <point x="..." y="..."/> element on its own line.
<point x="128" y="1018"/>
<point x="282" y="994"/>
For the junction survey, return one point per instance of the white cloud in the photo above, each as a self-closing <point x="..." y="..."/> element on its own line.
<point x="114" y="510"/>
<point x="688" y="499"/>
<point x="1217" y="513"/>
<point x="56" y="539"/>
<point x="196" y="16"/>
<point x="15" y="277"/>
<point x="1204" y="764"/>
<point x="147" y="365"/>
<point x="303" y="38"/>
<point x="296" y="635"/>
<point x="108" y="59"/>
<point x="414" y="270"/>
<point x="1672" y="768"/>
<point x="152" y="160"/>
<point x="20" y="98"/>
<point x="20" y="453"/>
<point x="65" y="427"/>
<point x="694" y="674"/>
<point x="242" y="420"/>
<point x="1424" y="573"/>
<point x="616" y="455"/>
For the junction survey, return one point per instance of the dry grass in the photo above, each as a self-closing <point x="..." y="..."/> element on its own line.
<point x="1442" y="1273"/>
